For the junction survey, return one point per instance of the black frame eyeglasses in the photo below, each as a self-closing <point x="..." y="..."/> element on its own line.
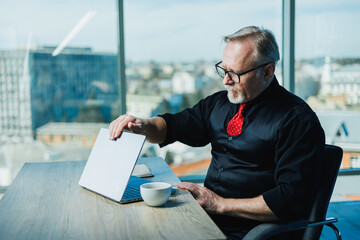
<point x="222" y="72"/>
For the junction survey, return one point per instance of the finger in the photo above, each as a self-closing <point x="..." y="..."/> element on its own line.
<point x="111" y="128"/>
<point x="113" y="125"/>
<point x="118" y="126"/>
<point x="185" y="185"/>
<point x="192" y="187"/>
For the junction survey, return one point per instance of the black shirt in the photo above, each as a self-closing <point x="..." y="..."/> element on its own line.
<point x="278" y="153"/>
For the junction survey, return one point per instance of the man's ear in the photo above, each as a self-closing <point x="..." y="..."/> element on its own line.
<point x="269" y="71"/>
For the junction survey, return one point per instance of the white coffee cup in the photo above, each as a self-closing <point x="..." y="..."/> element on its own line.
<point x="156" y="194"/>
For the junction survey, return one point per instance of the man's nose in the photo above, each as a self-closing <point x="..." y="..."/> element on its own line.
<point x="227" y="80"/>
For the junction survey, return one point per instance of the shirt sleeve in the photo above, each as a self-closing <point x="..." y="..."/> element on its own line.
<point x="189" y="126"/>
<point x="299" y="155"/>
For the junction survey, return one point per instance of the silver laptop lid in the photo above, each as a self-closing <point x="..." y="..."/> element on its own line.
<point x="111" y="163"/>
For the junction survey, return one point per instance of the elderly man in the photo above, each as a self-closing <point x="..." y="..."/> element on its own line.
<point x="267" y="144"/>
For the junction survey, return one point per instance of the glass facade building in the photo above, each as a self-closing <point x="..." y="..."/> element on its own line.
<point x="36" y="88"/>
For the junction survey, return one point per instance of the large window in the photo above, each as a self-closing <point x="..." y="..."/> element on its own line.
<point x="59" y="76"/>
<point x="171" y="48"/>
<point x="327" y="69"/>
<point x="58" y="79"/>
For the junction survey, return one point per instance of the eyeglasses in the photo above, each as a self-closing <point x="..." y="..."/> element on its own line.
<point x="234" y="77"/>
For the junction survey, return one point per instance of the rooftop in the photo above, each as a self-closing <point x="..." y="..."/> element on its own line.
<point x="71" y="128"/>
<point x="340" y="127"/>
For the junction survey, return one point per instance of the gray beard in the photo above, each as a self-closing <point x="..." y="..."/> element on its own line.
<point x="235" y="100"/>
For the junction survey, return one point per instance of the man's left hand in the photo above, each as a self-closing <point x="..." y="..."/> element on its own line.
<point x="209" y="200"/>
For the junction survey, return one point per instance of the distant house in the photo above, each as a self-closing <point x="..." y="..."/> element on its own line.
<point x="342" y="129"/>
<point x="185" y="82"/>
<point x="337" y="80"/>
<point x="142" y="106"/>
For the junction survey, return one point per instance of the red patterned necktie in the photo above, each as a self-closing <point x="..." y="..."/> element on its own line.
<point x="235" y="125"/>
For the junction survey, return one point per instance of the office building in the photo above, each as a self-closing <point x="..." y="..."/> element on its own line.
<point x="36" y="88"/>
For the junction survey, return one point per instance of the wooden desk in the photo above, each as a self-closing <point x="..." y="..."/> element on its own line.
<point x="46" y="202"/>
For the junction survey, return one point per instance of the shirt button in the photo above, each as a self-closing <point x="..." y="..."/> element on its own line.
<point x="221" y="169"/>
<point x="230" y="138"/>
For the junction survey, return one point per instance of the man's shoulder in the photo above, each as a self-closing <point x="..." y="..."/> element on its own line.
<point x="284" y="105"/>
<point x="296" y="107"/>
<point x="279" y="97"/>
<point x="291" y="98"/>
<point x="297" y="103"/>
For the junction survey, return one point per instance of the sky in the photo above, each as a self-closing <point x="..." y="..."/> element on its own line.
<point x="180" y="30"/>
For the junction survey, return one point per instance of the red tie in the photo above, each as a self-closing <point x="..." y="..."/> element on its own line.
<point x="235" y="125"/>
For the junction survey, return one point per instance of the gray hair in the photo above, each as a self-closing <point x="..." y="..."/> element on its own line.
<point x="266" y="47"/>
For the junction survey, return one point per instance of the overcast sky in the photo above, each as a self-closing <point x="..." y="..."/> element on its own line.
<point x="164" y="30"/>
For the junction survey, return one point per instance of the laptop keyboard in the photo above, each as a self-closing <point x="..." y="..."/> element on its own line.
<point x="132" y="191"/>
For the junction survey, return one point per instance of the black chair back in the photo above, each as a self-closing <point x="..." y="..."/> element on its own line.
<point x="332" y="159"/>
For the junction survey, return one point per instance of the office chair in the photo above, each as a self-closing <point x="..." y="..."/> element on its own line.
<point x="306" y="229"/>
<point x="312" y="227"/>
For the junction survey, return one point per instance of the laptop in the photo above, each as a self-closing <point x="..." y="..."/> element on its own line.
<point x="110" y="165"/>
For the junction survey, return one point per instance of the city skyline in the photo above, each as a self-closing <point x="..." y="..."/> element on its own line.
<point x="190" y="31"/>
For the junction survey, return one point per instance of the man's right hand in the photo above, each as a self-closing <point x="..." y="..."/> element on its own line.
<point x="131" y="123"/>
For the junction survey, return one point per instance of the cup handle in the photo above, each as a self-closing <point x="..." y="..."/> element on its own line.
<point x="174" y="191"/>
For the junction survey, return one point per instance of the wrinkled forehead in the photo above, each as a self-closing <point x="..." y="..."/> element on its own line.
<point x="238" y="54"/>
